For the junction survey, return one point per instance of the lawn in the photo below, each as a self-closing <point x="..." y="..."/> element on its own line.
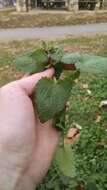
<point x="37" y="18"/>
<point x="91" y="148"/>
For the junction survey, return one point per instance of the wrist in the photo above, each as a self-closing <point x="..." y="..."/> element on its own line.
<point x="8" y="178"/>
<point x="12" y="180"/>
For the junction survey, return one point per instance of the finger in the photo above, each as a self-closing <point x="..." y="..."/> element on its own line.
<point x="28" y="83"/>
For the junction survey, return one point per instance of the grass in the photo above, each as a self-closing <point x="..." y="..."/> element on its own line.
<point x="8" y="52"/>
<point x="35" y="18"/>
<point x="91" y="148"/>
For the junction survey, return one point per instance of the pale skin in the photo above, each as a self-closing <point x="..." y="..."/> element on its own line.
<point x="26" y="146"/>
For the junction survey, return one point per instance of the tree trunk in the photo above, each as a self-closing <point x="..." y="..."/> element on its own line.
<point x="105" y="4"/>
<point x="23" y="5"/>
<point x="72" y="5"/>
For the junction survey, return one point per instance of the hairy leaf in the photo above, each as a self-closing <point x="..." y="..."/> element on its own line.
<point x="32" y="62"/>
<point x="57" y="55"/>
<point x="92" y="64"/>
<point x="71" y="58"/>
<point x="65" y="160"/>
<point x="40" y="56"/>
<point x="86" y="63"/>
<point x="71" y="75"/>
<point x="51" y="97"/>
<point x="26" y="64"/>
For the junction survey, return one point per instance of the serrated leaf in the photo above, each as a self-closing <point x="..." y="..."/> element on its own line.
<point x="40" y="56"/>
<point x="65" y="160"/>
<point x="57" y="55"/>
<point x="26" y="64"/>
<point x="71" y="75"/>
<point x="32" y="62"/>
<point x="92" y="64"/>
<point x="51" y="97"/>
<point x="71" y="58"/>
<point x="86" y="63"/>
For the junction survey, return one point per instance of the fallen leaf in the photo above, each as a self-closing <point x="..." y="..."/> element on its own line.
<point x="85" y="86"/>
<point x="103" y="103"/>
<point x="98" y="119"/>
<point x="89" y="92"/>
<point x="102" y="143"/>
<point x="72" y="132"/>
<point x="85" y="98"/>
<point x="76" y="81"/>
<point x="72" y="135"/>
<point x="77" y="125"/>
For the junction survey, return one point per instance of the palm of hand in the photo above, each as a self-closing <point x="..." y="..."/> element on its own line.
<point x="28" y="146"/>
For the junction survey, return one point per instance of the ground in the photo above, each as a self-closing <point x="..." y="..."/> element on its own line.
<point x="37" y="18"/>
<point x="91" y="148"/>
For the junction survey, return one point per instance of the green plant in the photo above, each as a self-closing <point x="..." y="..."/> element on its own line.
<point x="51" y="95"/>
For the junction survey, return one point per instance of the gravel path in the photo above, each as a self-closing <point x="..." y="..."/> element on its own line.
<point x="51" y="32"/>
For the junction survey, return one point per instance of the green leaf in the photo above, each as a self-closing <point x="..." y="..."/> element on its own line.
<point x="71" y="75"/>
<point x="40" y="56"/>
<point x="66" y="161"/>
<point x="57" y="55"/>
<point x="58" y="70"/>
<point x="51" y="97"/>
<point x="26" y="64"/>
<point x="86" y="63"/>
<point x="32" y="62"/>
<point x="92" y="64"/>
<point x="71" y="58"/>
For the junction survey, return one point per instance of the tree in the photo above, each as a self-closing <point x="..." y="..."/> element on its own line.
<point x="23" y="5"/>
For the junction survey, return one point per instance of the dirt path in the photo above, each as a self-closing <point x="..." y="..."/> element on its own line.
<point x="51" y="32"/>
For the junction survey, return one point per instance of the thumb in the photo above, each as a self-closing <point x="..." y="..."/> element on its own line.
<point x="28" y="83"/>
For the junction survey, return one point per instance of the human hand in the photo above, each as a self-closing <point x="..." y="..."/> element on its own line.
<point x="26" y="146"/>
